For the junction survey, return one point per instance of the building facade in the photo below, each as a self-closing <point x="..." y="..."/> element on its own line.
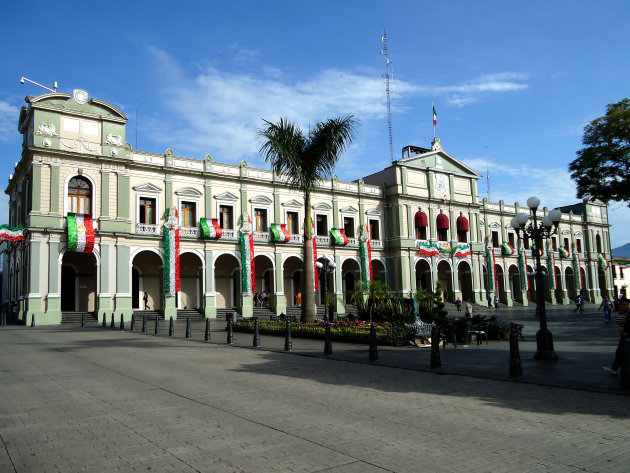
<point x="96" y="214"/>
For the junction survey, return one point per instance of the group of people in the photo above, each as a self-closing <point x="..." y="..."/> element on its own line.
<point x="261" y="299"/>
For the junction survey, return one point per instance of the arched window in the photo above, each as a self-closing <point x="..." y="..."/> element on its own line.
<point x="79" y="195"/>
<point x="598" y="243"/>
<point x="442" y="227"/>
<point x="462" y="229"/>
<point x="421" y="224"/>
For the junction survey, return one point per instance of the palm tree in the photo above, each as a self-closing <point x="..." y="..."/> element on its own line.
<point x="304" y="159"/>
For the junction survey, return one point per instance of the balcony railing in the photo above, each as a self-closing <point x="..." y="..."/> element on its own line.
<point x="376" y="244"/>
<point x="147" y="229"/>
<point x="261" y="236"/>
<point x="190" y="232"/>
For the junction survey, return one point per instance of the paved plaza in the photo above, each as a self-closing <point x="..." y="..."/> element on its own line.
<point x="108" y="400"/>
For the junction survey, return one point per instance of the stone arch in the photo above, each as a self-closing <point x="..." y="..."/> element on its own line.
<point x="264" y="269"/>
<point x="445" y="276"/>
<point x="379" y="271"/>
<point x="423" y="274"/>
<point x="79" y="282"/>
<point x="350" y="277"/>
<point x="227" y="280"/>
<point x="465" y="280"/>
<point x="292" y="277"/>
<point x="514" y="283"/>
<point x="149" y="266"/>
<point x="191" y="276"/>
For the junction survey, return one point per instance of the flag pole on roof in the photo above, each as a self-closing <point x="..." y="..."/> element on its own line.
<point x="434" y="118"/>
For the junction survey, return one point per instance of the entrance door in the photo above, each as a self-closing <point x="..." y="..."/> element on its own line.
<point x="68" y="289"/>
<point x="135" y="289"/>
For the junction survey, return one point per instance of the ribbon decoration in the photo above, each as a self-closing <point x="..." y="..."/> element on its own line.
<point x="462" y="250"/>
<point x="522" y="263"/>
<point x="427" y="249"/>
<point x="11" y="233"/>
<point x="210" y="231"/>
<point x="508" y="249"/>
<point x="171" y="252"/>
<point x="564" y="252"/>
<point x="366" y="256"/>
<point x="553" y="277"/>
<point x="576" y="269"/>
<point x="603" y="262"/>
<point x="80" y="233"/>
<point x="247" y="254"/>
<point x="493" y="272"/>
<point x="339" y="235"/>
<point x="280" y="233"/>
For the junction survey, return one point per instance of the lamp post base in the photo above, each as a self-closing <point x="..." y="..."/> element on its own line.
<point x="544" y="346"/>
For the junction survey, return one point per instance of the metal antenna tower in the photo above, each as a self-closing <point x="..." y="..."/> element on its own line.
<point x="385" y="53"/>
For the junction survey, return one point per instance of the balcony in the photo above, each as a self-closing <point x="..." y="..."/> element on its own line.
<point x="376" y="244"/>
<point x="147" y="229"/>
<point x="189" y="232"/>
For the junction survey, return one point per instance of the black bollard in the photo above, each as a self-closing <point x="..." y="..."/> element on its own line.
<point x="256" y="341"/>
<point x="624" y="362"/>
<point x="112" y="324"/>
<point x="82" y="320"/>
<point x="33" y="320"/>
<point x="104" y="325"/>
<point x="230" y="334"/>
<point x="188" y="331"/>
<point x="207" y="334"/>
<point x="516" y="370"/>
<point x="144" y="324"/>
<point x="133" y="322"/>
<point x="157" y="324"/>
<point x="288" y="342"/>
<point x="327" y="341"/>
<point x="122" y="321"/>
<point x="373" y="344"/>
<point x="436" y="362"/>
<point x="171" y="328"/>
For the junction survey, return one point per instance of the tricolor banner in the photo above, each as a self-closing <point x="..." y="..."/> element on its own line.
<point x="462" y="250"/>
<point x="551" y="263"/>
<point x="603" y="262"/>
<point x="576" y="270"/>
<point x="493" y="269"/>
<point x="339" y="236"/>
<point x="80" y="233"/>
<point x="434" y="116"/>
<point x="366" y="257"/>
<point x="247" y="255"/>
<point x="522" y="266"/>
<point x="315" y="271"/>
<point x="11" y="233"/>
<point x="508" y="249"/>
<point x="280" y="233"/>
<point x="564" y="252"/>
<point x="540" y="252"/>
<point x="427" y="249"/>
<point x="210" y="230"/>
<point x="171" y="252"/>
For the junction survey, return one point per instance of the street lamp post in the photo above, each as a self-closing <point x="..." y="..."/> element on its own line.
<point x="537" y="232"/>
<point x="327" y="269"/>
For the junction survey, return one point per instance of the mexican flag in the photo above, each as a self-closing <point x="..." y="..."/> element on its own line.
<point x="564" y="253"/>
<point x="339" y="236"/>
<point x="247" y="261"/>
<point x="427" y="249"/>
<point x="462" y="250"/>
<point x="171" y="253"/>
<point x="11" y="233"/>
<point x="280" y="233"/>
<point x="434" y="116"/>
<point x="508" y="249"/>
<point x="80" y="233"/>
<point x="366" y="262"/>
<point x="210" y="230"/>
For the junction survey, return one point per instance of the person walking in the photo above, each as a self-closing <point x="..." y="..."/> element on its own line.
<point x="624" y="328"/>
<point x="458" y="303"/>
<point x="608" y="308"/>
<point x="146" y="300"/>
<point x="489" y="301"/>
<point x="496" y="302"/>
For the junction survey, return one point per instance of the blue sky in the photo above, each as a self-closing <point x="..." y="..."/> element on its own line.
<point x="513" y="84"/>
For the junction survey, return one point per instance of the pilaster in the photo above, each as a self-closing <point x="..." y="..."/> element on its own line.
<point x="123" y="284"/>
<point x="105" y="179"/>
<point x="34" y="297"/>
<point x="37" y="185"/>
<point x="124" y="190"/>
<point x="340" y="307"/>
<point x="105" y="303"/>
<point x="210" y="306"/>
<point x="278" y="300"/>
<point x="55" y="185"/>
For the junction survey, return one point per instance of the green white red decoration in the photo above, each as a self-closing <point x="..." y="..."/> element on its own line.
<point x="280" y="233"/>
<point x="366" y="256"/>
<point x="508" y="249"/>
<point x="11" y="233"/>
<point x="80" y="233"/>
<point x="540" y="251"/>
<point x="493" y="269"/>
<point x="247" y="254"/>
<point x="522" y="264"/>
<point x="315" y="271"/>
<point x="339" y="236"/>
<point x="564" y="252"/>
<point x="551" y="263"/>
<point x="171" y="252"/>
<point x="210" y="229"/>
<point x="462" y="250"/>
<point x="576" y="270"/>
<point x="603" y="262"/>
<point x="427" y="249"/>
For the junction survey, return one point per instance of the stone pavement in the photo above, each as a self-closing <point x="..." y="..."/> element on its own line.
<point x="106" y="400"/>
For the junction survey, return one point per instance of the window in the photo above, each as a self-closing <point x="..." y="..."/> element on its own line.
<point x="598" y="243"/>
<point x="293" y="225"/>
<point x="495" y="239"/>
<point x="226" y="217"/>
<point x="348" y="226"/>
<point x="188" y="214"/>
<point x="375" y="233"/>
<point x="526" y="242"/>
<point x="554" y="245"/>
<point x="260" y="220"/>
<point x="421" y="223"/>
<point x="578" y="245"/>
<point x="321" y="224"/>
<point x="566" y="243"/>
<point x="511" y="239"/>
<point x="147" y="210"/>
<point x="442" y="225"/>
<point x="79" y="195"/>
<point x="462" y="229"/>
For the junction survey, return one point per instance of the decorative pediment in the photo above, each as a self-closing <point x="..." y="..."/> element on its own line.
<point x="226" y="196"/>
<point x="578" y="233"/>
<point x="293" y="204"/>
<point x="188" y="192"/>
<point x="495" y="225"/>
<point x="148" y="187"/>
<point x="566" y="232"/>
<point x="260" y="199"/>
<point x="374" y="212"/>
<point x="349" y="209"/>
<point x="439" y="159"/>
<point x="322" y="206"/>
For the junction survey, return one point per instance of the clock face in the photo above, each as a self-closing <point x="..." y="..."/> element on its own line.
<point x="440" y="183"/>
<point x="80" y="96"/>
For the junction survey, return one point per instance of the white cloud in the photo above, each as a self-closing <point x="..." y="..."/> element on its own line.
<point x="8" y="120"/>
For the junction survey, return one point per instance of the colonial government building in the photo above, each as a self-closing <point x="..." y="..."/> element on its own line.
<point x="104" y="223"/>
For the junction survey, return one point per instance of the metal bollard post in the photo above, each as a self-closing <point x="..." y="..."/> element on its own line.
<point x="373" y="345"/>
<point x="256" y="341"/>
<point x="122" y="321"/>
<point x="327" y="341"/>
<point x="207" y="334"/>
<point x="288" y="342"/>
<point x="516" y="370"/>
<point x="104" y="325"/>
<point x="436" y="362"/>
<point x="112" y="324"/>
<point x="624" y="359"/>
<point x="133" y="322"/>
<point x="82" y="320"/>
<point x="157" y="325"/>
<point x="144" y="324"/>
<point x="188" y="331"/>
<point x="230" y="334"/>
<point x="171" y="328"/>
<point x="33" y="320"/>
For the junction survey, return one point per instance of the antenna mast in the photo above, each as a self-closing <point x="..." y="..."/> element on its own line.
<point x="488" y="180"/>
<point x="385" y="53"/>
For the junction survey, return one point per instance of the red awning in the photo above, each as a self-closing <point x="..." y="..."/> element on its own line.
<point x="442" y="222"/>
<point x="462" y="224"/>
<point x="421" y="219"/>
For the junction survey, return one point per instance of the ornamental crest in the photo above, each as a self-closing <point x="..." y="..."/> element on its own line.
<point x="171" y="218"/>
<point x="246" y="223"/>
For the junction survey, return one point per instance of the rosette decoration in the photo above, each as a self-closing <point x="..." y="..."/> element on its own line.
<point x="171" y="252"/>
<point x="210" y="229"/>
<point x="493" y="269"/>
<point x="603" y="262"/>
<point x="366" y="256"/>
<point x="508" y="249"/>
<point x="462" y="250"/>
<point x="246" y="237"/>
<point x="11" y="233"/>
<point x="339" y="235"/>
<point x="427" y="249"/>
<point x="80" y="233"/>
<point x="522" y="267"/>
<point x="551" y="263"/>
<point x="280" y="233"/>
<point x="576" y="270"/>
<point x="564" y="252"/>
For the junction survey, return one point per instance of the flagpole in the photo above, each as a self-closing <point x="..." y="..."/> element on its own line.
<point x="433" y="118"/>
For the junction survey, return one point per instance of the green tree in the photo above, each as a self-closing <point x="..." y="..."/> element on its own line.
<point x="305" y="159"/>
<point x="431" y="306"/>
<point x="601" y="169"/>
